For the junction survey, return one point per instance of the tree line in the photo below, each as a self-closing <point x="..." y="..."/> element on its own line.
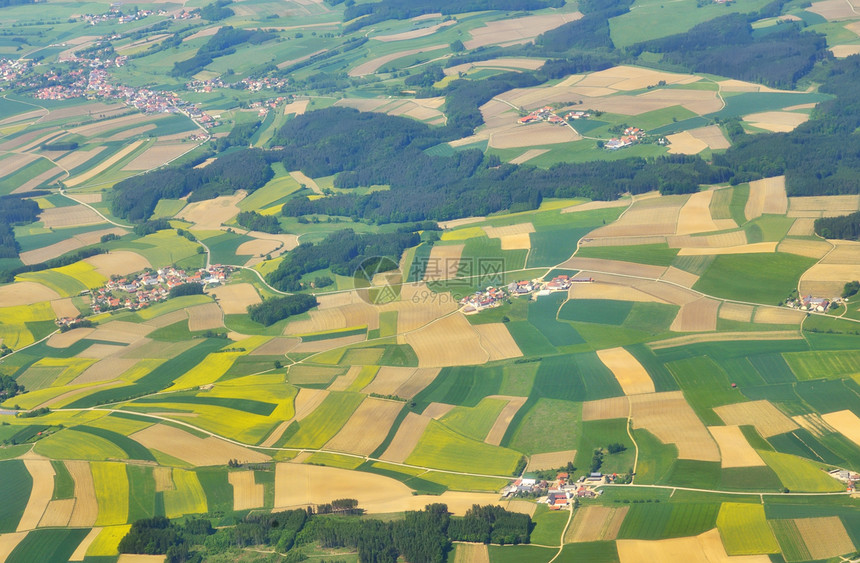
<point x="223" y="43"/>
<point x="276" y="309"/>
<point x="846" y="227"/>
<point x="254" y="221"/>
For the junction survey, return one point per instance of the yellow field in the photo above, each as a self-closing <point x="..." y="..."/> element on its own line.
<point x="767" y="419"/>
<point x="107" y="542"/>
<point x="735" y="451"/>
<point x="846" y="423"/>
<point x="209" y="370"/>
<point x="671" y="419"/>
<point x="111" y="486"/>
<point x="463" y="234"/>
<point x="627" y="370"/>
<point x="187" y="496"/>
<point x="744" y="529"/>
<point x="84" y="273"/>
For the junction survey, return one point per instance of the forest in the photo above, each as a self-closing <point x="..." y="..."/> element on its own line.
<point x="277" y="309"/>
<point x="14" y="210"/>
<point x="184" y="289"/>
<point x="846" y="227"/>
<point x="344" y="252"/>
<point x="217" y="10"/>
<point x="135" y="198"/>
<point x="253" y="221"/>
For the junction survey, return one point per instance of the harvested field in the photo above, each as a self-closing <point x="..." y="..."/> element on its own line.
<point x="347" y="316"/>
<point x="367" y="427"/>
<point x="614" y="267"/>
<point x="542" y="133"/>
<point x="411" y="316"/>
<point x="119" y="262"/>
<point x="78" y="157"/>
<point x="450" y="341"/>
<point x="205" y="317"/>
<point x="194" y="450"/>
<point x="605" y="409"/>
<point x="330" y="344"/>
<point x="258" y="247"/>
<point x="517" y="30"/>
<point x="437" y="410"/>
<point x="497" y="341"/>
<point x="102" y="166"/>
<point x="725" y="337"/>
<point x="57" y="513"/>
<point x="813" y="422"/>
<point x="846" y="252"/>
<point x="695" y="215"/>
<point x="846" y="423"/>
<point x="247" y="493"/>
<point x="593" y="205"/>
<point x="471" y="553"/>
<point x="712" y="136"/>
<point x="86" y="505"/>
<point x="722" y="240"/>
<point x="767" y="196"/>
<point x="497" y="432"/>
<point x="627" y="370"/>
<point x="521" y="507"/>
<point x="70" y="216"/>
<point x="680" y="277"/>
<point x="415" y="384"/>
<point x="42" y="473"/>
<point x="96" y="128"/>
<point x="343" y="382"/>
<point x="135" y="558"/>
<point x="158" y="155"/>
<point x="163" y="479"/>
<point x="685" y="143"/>
<point x="736" y="312"/>
<point x="704" y="548"/>
<point x="802" y="227"/>
<point x="735" y="451"/>
<point x="828" y="280"/>
<point x="235" y="299"/>
<point x="305" y="180"/>
<point x="443" y="262"/>
<point x="505" y="63"/>
<point x="415" y="33"/>
<point x="500" y="232"/>
<point x="134" y="131"/>
<point x="80" y="552"/>
<point x="8" y="543"/>
<point x="276" y="346"/>
<point x="374" y="493"/>
<point x="298" y="107"/>
<point x="373" y="65"/>
<point x="104" y="370"/>
<point x="66" y="339"/>
<point x="824" y="537"/>
<point x="801" y="247"/>
<point x="212" y="213"/>
<point x="754" y="248"/>
<point x="595" y="523"/>
<point x="767" y="419"/>
<point x="843" y="51"/>
<point x="698" y="316"/>
<point x="551" y="460"/>
<point x="25" y="293"/>
<point x="777" y="316"/>
<point x="618" y="292"/>
<point x="777" y="121"/>
<point x="528" y="155"/>
<point x="406" y="438"/>
<point x="388" y="379"/>
<point x="835" y="10"/>
<point x="121" y="331"/>
<point x="669" y="417"/>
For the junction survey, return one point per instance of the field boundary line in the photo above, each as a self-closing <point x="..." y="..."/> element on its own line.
<point x="563" y="533"/>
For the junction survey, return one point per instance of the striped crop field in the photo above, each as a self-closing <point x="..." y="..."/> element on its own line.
<point x="187" y="496"/>
<point x="745" y="530"/>
<point x="111" y="484"/>
<point x="441" y="448"/>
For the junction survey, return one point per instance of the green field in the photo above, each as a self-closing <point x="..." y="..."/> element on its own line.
<point x="760" y="278"/>
<point x="798" y="474"/>
<point x="602" y="311"/>
<point x="790" y="541"/>
<point x="322" y="424"/>
<point x="71" y="444"/>
<point x="187" y="496"/>
<point x="441" y="448"/>
<point x="548" y="425"/>
<point x="744" y="529"/>
<point x="654" y="521"/>
<point x="47" y="545"/>
<point x="824" y="365"/>
<point x="14" y="494"/>
<point x="474" y="422"/>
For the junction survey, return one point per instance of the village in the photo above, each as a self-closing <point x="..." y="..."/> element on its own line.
<point x="147" y="288"/>
<point x="630" y="135"/>
<point x="494" y="296"/>
<point x="561" y="492"/>
<point x="815" y="304"/>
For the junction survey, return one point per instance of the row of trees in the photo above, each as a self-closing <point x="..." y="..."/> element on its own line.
<point x="276" y="309"/>
<point x="846" y="227"/>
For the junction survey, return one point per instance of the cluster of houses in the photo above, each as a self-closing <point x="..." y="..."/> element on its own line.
<point x="578" y="115"/>
<point x="116" y="15"/>
<point x="142" y="290"/>
<point x="11" y="70"/>
<point x="494" y="296"/>
<point x="631" y="136"/>
<point x="561" y="492"/>
<point x="545" y="113"/>
<point x="850" y="478"/>
<point x="810" y="303"/>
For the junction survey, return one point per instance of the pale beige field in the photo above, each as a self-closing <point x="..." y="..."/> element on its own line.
<point x="592" y="205"/>
<point x="276" y="346"/>
<point x="8" y="543"/>
<point x="57" y="513"/>
<point x="194" y="450"/>
<point x="78" y="157"/>
<point x="722" y="240"/>
<point x="71" y="216"/>
<point x="685" y="143"/>
<point x="777" y="121"/>
<point x="645" y="217"/>
<point x="347" y="316"/>
<point x="96" y="128"/>
<point x="443" y="262"/>
<point x="605" y="409"/>
<point x="767" y="196"/>
<point x="471" y="553"/>
<point x="133" y="132"/>
<point x="500" y="426"/>
<point x="25" y="293"/>
<point x="704" y="548"/>
<point x="502" y="63"/>
<point x="205" y="317"/>
<point x="824" y="537"/>
<point x="247" y="493"/>
<point x="521" y="506"/>
<point x="121" y="331"/>
<point x="816" y="425"/>
<point x="735" y="451"/>
<point x="550" y="460"/>
<point x="119" y="262"/>
<point x="695" y="215"/>
<point x="305" y="403"/>
<point x="450" y="341"/>
<point x="495" y="339"/>
<point x="373" y="65"/>
<point x="618" y="292"/>
<point x="846" y="423"/>
<point x="668" y="416"/>
<point x="595" y="523"/>
<point x="753" y="248"/>
<point x="822" y="206"/>
<point x="614" y="267"/>
<point x="86" y="505"/>
<point x="257" y="247"/>
<point x="517" y="30"/>
<point x="680" y="277"/>
<point x="211" y="213"/>
<point x="777" y="316"/>
<point x="712" y="136"/>
<point x="419" y="306"/>
<point x="627" y="371"/>
<point x="415" y="33"/>
<point x="698" y="316"/>
<point x="437" y="410"/>
<point x="517" y="229"/>
<point x="843" y="51"/>
<point x="802" y="227"/>
<point x="846" y="252"/>
<point x="828" y="280"/>
<point x="163" y="479"/>
<point x="66" y="339"/>
<point x="298" y="107"/>
<point x="104" y="370"/>
<point x="542" y="133"/>
<point x="330" y="344"/>
<point x="406" y="438"/>
<point x="415" y="384"/>
<point x="767" y="419"/>
<point x="736" y="312"/>
<point x="42" y="473"/>
<point x="50" y="251"/>
<point x="134" y="558"/>
<point x="81" y="551"/>
<point x="802" y="247"/>
<point x="102" y="166"/>
<point x="235" y="299"/>
<point x="835" y="10"/>
<point x="388" y="379"/>
<point x="367" y="427"/>
<point x="528" y="155"/>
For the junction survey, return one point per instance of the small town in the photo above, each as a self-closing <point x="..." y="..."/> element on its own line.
<point x="494" y="297"/>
